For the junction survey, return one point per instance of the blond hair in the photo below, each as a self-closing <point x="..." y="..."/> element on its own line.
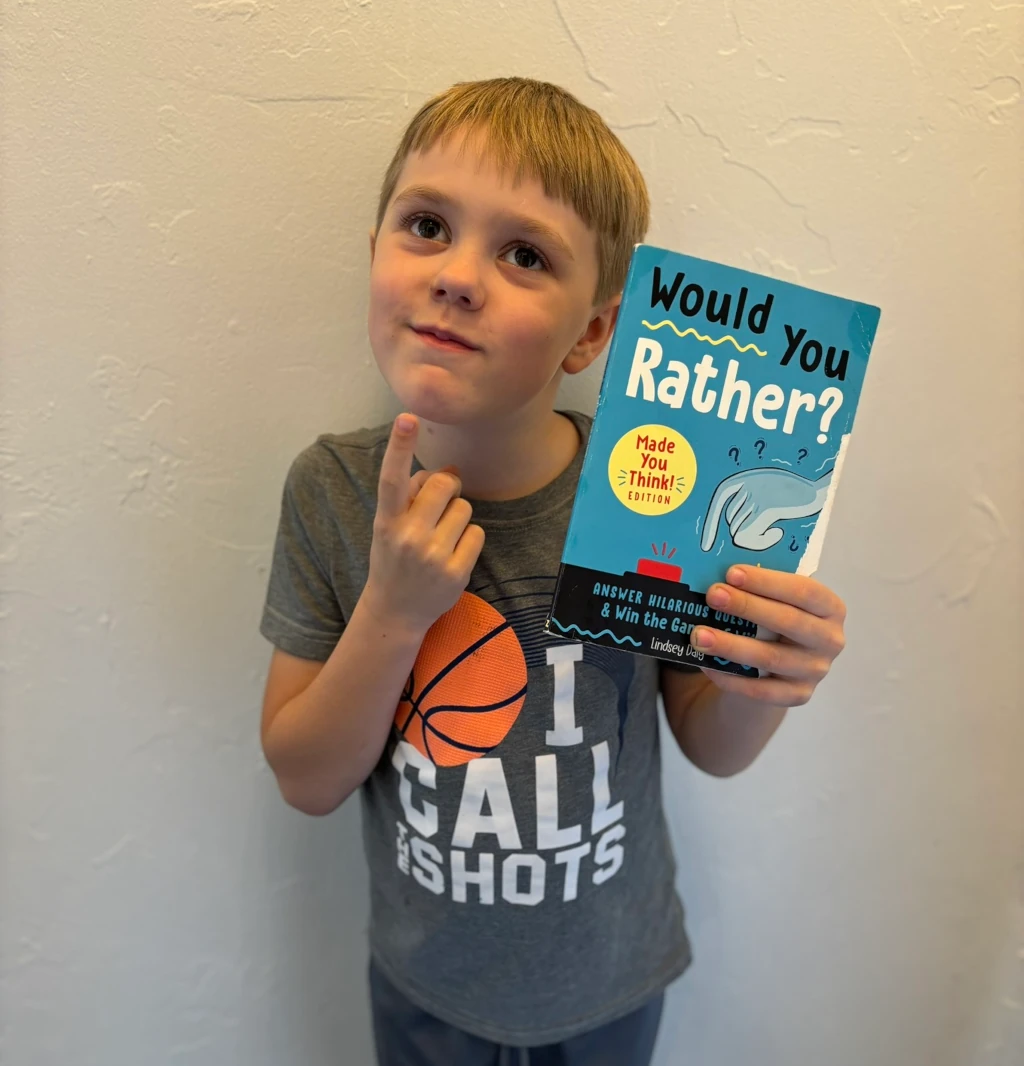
<point x="541" y="130"/>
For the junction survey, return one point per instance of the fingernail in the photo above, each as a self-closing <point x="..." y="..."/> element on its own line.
<point x="718" y="596"/>
<point x="406" y="423"/>
<point x="701" y="637"/>
<point x="735" y="576"/>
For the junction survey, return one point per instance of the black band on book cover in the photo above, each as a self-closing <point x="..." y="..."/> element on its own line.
<point x="640" y="613"/>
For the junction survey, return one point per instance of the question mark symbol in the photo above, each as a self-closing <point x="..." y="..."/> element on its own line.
<point x="831" y="399"/>
<point x="760" y="451"/>
<point x="793" y="546"/>
<point x="735" y="453"/>
<point x="801" y="456"/>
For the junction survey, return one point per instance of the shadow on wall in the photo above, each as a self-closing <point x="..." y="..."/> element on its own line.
<point x="319" y="1015"/>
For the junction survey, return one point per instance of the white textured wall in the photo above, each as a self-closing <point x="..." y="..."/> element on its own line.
<point x="186" y="190"/>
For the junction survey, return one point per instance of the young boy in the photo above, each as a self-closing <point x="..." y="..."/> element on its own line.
<point x="522" y="876"/>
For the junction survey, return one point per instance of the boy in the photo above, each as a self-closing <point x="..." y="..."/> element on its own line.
<point x="522" y="877"/>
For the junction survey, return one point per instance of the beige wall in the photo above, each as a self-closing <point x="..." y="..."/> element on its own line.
<point x="186" y="190"/>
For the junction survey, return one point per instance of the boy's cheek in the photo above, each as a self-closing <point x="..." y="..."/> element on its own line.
<point x="386" y="279"/>
<point x="384" y="318"/>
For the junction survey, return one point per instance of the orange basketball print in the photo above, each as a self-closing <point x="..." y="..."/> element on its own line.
<point x="467" y="685"/>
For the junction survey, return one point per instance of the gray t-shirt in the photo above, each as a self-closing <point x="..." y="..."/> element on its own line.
<point x="522" y="879"/>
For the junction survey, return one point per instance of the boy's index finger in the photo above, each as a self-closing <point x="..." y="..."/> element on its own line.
<point x="802" y="592"/>
<point x="393" y="486"/>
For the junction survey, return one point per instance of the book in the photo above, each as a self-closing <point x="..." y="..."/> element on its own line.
<point x="723" y="420"/>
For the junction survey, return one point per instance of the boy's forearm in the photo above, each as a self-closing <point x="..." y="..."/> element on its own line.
<point x="323" y="743"/>
<point x="722" y="733"/>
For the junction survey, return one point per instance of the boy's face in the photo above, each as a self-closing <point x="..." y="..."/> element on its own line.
<point x="507" y="269"/>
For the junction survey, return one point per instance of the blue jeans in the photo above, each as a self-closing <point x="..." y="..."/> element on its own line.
<point x="408" y="1036"/>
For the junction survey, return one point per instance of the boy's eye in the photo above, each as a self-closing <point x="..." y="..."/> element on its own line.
<point x="527" y="257"/>
<point x="422" y="226"/>
<point x="415" y="221"/>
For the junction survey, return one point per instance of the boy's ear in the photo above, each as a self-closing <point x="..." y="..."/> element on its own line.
<point x="373" y="244"/>
<point x="594" y="337"/>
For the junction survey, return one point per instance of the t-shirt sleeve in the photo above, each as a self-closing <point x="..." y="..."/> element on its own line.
<point x="301" y="614"/>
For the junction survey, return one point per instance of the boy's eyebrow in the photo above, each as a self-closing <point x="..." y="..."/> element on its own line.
<point x="524" y="222"/>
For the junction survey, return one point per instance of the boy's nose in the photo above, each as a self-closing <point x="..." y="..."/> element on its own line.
<point x="459" y="280"/>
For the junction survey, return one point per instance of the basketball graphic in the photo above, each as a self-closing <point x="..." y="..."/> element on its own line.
<point x="467" y="686"/>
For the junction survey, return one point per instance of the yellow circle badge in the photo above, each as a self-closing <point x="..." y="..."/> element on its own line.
<point x="652" y="469"/>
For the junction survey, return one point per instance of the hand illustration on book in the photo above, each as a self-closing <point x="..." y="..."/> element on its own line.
<point x="754" y="500"/>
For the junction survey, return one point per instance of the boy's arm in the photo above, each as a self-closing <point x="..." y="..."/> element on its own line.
<point x="721" y="721"/>
<point x="324" y="726"/>
<point x="721" y="733"/>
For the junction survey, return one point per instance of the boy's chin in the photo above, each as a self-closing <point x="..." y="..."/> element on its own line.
<point x="446" y="410"/>
<point x="446" y="402"/>
<point x="444" y="414"/>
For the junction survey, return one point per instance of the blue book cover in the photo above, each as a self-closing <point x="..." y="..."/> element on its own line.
<point x="725" y="412"/>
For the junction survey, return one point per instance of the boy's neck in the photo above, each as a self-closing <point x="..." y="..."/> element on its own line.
<point x="502" y="460"/>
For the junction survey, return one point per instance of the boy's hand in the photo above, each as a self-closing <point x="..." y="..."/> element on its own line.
<point x="424" y="547"/>
<point x="808" y="618"/>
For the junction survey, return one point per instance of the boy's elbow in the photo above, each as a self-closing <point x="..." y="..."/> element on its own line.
<point x="301" y="790"/>
<point x="722" y="764"/>
<point x="309" y="801"/>
<point x="314" y="808"/>
<point x="721" y="771"/>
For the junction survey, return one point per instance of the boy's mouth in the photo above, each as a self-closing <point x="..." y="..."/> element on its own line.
<point x="443" y="338"/>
